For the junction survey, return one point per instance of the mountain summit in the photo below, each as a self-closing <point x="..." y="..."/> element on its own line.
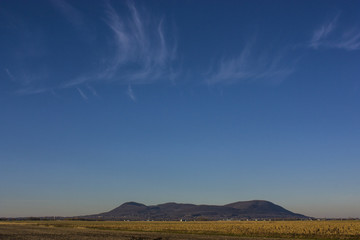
<point x="256" y="209"/>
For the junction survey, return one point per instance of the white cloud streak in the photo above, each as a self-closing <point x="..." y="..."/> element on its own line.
<point x="10" y="75"/>
<point x="143" y="54"/>
<point x="92" y="90"/>
<point x="325" y="37"/>
<point x="350" y="40"/>
<point x="322" y="33"/>
<point x="249" y="67"/>
<point x="130" y="93"/>
<point x="70" y="13"/>
<point x="30" y="91"/>
<point x="82" y="94"/>
<point x="140" y="51"/>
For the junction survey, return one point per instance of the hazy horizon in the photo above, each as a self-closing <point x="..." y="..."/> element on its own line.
<point x="205" y="102"/>
<point x="340" y="211"/>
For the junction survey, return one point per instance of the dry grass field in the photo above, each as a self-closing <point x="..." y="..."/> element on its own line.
<point x="180" y="230"/>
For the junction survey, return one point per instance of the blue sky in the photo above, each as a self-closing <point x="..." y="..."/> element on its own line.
<point x="104" y="102"/>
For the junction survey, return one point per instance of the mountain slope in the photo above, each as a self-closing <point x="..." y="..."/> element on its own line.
<point x="261" y="208"/>
<point x="256" y="209"/>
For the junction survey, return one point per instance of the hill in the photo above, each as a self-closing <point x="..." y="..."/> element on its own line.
<point x="256" y="209"/>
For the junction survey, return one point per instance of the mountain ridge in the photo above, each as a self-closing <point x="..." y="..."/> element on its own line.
<point x="172" y="211"/>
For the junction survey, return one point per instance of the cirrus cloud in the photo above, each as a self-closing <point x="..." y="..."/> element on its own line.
<point x="330" y="35"/>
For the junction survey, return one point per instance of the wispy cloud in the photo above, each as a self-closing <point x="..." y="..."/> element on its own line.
<point x="130" y="93"/>
<point x="77" y="81"/>
<point x="32" y="90"/>
<point x="82" y="94"/>
<point x="10" y="75"/>
<point x="92" y="90"/>
<point x="322" y="33"/>
<point x="350" y="40"/>
<point x="249" y="67"/>
<point x="32" y="82"/>
<point x="325" y="37"/>
<point x="138" y="50"/>
<point x="143" y="53"/>
<point x="73" y="15"/>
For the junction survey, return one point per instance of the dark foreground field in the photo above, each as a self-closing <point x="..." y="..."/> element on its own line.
<point x="33" y="232"/>
<point x="81" y="230"/>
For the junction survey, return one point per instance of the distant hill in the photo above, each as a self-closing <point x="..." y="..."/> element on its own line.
<point x="256" y="209"/>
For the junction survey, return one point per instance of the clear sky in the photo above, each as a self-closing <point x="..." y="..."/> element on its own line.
<point x="103" y="102"/>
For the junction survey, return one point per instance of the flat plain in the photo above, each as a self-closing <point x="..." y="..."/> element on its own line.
<point x="81" y="230"/>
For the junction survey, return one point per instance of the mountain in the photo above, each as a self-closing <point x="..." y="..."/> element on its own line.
<point x="256" y="209"/>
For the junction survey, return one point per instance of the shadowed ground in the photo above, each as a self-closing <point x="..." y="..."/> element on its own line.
<point x="15" y="231"/>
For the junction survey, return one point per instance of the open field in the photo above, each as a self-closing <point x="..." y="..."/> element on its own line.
<point x="180" y="230"/>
